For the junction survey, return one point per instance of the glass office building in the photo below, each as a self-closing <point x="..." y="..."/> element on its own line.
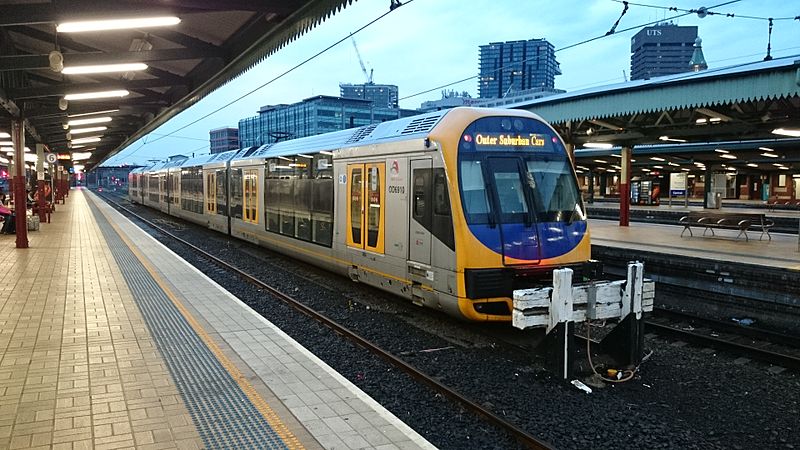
<point x="383" y="95"/>
<point x="315" y="115"/>
<point x="224" y="139"/>
<point x="508" y="67"/>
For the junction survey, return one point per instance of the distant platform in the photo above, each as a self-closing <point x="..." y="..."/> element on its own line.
<point x="780" y="252"/>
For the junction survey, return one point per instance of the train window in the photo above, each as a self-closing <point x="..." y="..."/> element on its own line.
<point x="473" y="192"/>
<point x="422" y="180"/>
<point x="555" y="193"/>
<point x="250" y="198"/>
<point x="236" y="193"/>
<point x="442" y="220"/>
<point x="356" y="206"/>
<point x="211" y="193"/>
<point x="441" y="200"/>
<point x="221" y="190"/>
<point x="375" y="212"/>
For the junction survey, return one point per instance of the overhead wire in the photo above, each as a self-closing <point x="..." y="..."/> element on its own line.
<point x="288" y="71"/>
<point x="705" y="11"/>
<point x="586" y="41"/>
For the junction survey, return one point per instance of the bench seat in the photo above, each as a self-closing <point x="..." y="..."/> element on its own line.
<point x="732" y="221"/>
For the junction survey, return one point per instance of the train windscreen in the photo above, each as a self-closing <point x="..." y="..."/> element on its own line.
<point x="515" y="170"/>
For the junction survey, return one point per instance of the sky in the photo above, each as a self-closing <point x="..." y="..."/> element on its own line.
<point x="429" y="43"/>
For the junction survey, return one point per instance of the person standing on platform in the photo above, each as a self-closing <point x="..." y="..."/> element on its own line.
<point x="8" y="221"/>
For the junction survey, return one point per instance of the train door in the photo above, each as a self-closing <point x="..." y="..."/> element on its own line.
<point x="365" y="212"/>
<point x="419" y="242"/>
<point x="518" y="229"/>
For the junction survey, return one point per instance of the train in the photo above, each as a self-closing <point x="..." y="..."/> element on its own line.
<point x="452" y="210"/>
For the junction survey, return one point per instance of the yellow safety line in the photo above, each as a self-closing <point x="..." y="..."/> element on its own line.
<point x="263" y="407"/>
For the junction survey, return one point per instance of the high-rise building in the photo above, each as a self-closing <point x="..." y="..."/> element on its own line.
<point x="506" y="67"/>
<point x="224" y="139"/>
<point x="381" y="95"/>
<point x="662" y="49"/>
<point x="315" y="115"/>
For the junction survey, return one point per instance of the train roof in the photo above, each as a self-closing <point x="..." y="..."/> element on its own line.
<point x="409" y="127"/>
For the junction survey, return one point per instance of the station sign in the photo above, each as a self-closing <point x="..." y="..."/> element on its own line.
<point x="677" y="183"/>
<point x="64" y="157"/>
<point x="50" y="157"/>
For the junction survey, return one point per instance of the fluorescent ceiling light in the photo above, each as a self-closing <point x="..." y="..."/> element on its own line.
<point x="104" y="68"/>
<point x="87" y="130"/>
<point x="719" y="150"/>
<point x="701" y="121"/>
<point x="658" y="167"/>
<point x="752" y="165"/>
<point x="686" y="170"/>
<point x="108" y="111"/>
<point x="74" y="123"/>
<point x="79" y="156"/>
<point x="116" y="24"/>
<point x="4" y="135"/>
<point x="777" y="164"/>
<point x="645" y="170"/>
<point x="728" y="156"/>
<point x="667" y="138"/>
<point x="769" y="155"/>
<point x="305" y="156"/>
<point x="656" y="158"/>
<point x="4" y="160"/>
<point x="617" y="167"/>
<point x="616" y="156"/>
<point x="673" y="164"/>
<point x="30" y="157"/>
<point x="323" y="152"/>
<point x="786" y="132"/>
<point x="783" y="168"/>
<point x="715" y="119"/>
<point x="78" y="167"/>
<point x="600" y="161"/>
<point x="602" y="145"/>
<point x="6" y="144"/>
<point x="766" y="149"/>
<point x="102" y="94"/>
<point x="86" y="140"/>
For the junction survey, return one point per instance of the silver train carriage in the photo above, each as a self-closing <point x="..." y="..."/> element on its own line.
<point x="453" y="209"/>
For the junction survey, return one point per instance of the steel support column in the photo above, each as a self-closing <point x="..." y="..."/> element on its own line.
<point x="20" y="197"/>
<point x="625" y="187"/>
<point x="41" y="201"/>
<point x="707" y="175"/>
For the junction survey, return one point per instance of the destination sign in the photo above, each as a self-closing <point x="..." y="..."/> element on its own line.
<point x="510" y="140"/>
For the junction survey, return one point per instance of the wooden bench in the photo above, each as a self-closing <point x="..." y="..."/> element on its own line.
<point x="731" y="221"/>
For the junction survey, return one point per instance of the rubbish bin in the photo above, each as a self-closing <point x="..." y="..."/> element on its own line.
<point x="714" y="200"/>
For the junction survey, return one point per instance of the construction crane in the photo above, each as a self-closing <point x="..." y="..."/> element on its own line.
<point x="368" y="76"/>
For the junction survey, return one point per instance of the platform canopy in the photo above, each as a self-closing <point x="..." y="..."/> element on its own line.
<point x="202" y="45"/>
<point x="687" y="115"/>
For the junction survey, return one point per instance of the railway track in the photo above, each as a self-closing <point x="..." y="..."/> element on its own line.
<point x="520" y="435"/>
<point x="762" y="345"/>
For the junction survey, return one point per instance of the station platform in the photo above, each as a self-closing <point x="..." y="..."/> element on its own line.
<point x="780" y="252"/>
<point x="110" y="340"/>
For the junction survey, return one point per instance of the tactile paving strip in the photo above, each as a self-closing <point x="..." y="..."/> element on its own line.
<point x="222" y="413"/>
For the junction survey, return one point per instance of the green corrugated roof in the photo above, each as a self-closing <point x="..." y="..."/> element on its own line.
<point x="779" y="78"/>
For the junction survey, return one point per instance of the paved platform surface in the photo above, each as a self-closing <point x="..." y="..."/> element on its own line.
<point x="109" y="340"/>
<point x="781" y="251"/>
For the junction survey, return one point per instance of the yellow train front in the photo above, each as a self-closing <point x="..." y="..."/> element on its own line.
<point x="517" y="213"/>
<point x="452" y="210"/>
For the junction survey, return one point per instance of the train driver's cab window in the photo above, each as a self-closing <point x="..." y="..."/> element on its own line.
<point x="476" y="202"/>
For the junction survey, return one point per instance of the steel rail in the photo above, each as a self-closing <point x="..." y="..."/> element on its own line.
<point x="517" y="433"/>
<point x="767" y="356"/>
